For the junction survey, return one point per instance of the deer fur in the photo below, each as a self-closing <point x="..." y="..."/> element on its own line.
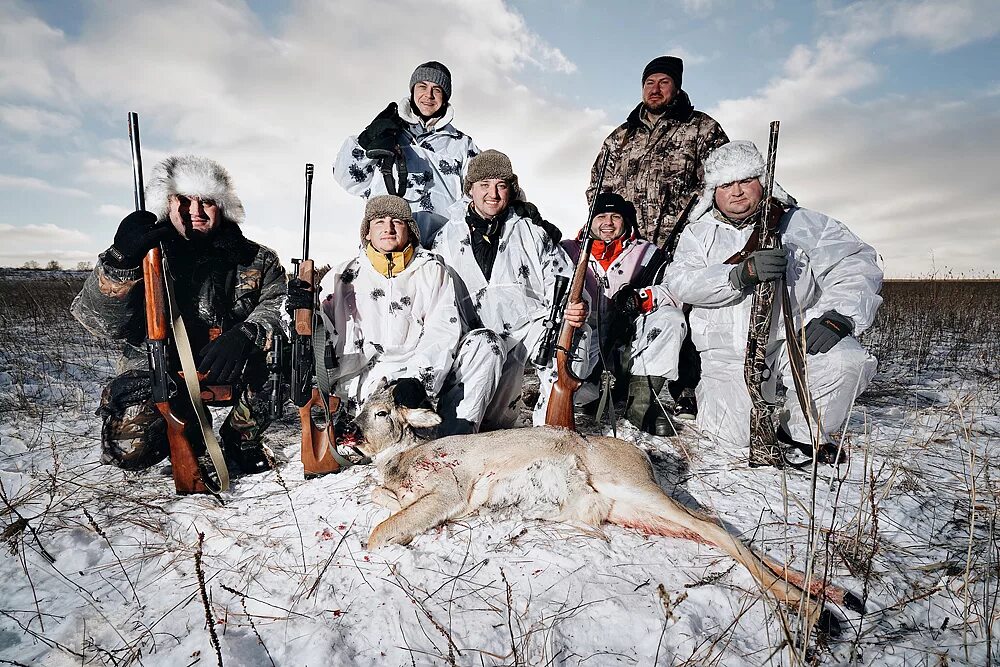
<point x="546" y="472"/>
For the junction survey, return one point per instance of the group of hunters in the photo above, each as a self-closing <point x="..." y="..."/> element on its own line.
<point x="455" y="275"/>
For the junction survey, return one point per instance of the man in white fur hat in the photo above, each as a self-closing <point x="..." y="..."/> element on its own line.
<point x="228" y="289"/>
<point x="834" y="282"/>
<point x="418" y="129"/>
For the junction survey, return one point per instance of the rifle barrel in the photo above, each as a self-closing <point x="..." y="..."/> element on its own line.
<point x="133" y="135"/>
<point x="306" y="219"/>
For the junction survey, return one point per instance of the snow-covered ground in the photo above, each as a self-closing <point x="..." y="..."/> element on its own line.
<point x="104" y="567"/>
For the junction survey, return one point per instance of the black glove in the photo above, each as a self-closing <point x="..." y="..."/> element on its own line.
<point x="223" y="358"/>
<point x="382" y="132"/>
<point x="300" y="295"/>
<point x="626" y="302"/>
<point x="760" y="267"/>
<point x="526" y="209"/>
<point x="823" y="332"/>
<point x="137" y="234"/>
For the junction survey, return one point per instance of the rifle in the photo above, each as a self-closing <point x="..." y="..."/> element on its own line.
<point x="764" y="449"/>
<point x="560" y="409"/>
<point x="159" y="325"/>
<point x="318" y="441"/>
<point x="278" y="370"/>
<point x="553" y="322"/>
<point x="670" y="244"/>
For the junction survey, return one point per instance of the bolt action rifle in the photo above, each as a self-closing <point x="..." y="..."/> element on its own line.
<point x="165" y="332"/>
<point x="311" y="388"/>
<point x="560" y="408"/>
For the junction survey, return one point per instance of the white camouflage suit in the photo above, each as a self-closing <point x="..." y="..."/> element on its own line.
<point x="437" y="158"/>
<point x="510" y="307"/>
<point x="659" y="333"/>
<point x="829" y="268"/>
<point x="405" y="326"/>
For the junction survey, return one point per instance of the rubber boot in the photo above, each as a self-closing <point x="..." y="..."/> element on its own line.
<point x="644" y="410"/>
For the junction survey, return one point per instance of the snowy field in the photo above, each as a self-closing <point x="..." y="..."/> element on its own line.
<point x="103" y="567"/>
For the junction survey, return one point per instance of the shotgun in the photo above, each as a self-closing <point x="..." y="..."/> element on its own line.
<point x="318" y="435"/>
<point x="764" y="449"/>
<point x="560" y="408"/>
<point x="184" y="464"/>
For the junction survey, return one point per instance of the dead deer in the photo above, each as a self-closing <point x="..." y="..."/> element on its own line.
<point x="546" y="472"/>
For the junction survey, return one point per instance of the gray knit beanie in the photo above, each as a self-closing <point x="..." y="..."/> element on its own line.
<point x="490" y="164"/>
<point x="389" y="206"/>
<point x="434" y="72"/>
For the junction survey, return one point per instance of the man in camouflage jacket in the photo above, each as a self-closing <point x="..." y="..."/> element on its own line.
<point x="658" y="153"/>
<point x="222" y="281"/>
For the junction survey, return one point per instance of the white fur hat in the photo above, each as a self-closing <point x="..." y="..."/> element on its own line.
<point x="735" y="161"/>
<point x="195" y="177"/>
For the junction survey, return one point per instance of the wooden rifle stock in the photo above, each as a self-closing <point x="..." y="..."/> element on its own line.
<point x="187" y="475"/>
<point x="559" y="411"/>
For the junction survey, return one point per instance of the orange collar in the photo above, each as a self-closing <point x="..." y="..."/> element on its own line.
<point x="606" y="253"/>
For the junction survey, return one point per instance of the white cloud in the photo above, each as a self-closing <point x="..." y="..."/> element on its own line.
<point x="113" y="211"/>
<point x="30" y="183"/>
<point x="946" y="25"/>
<point x="37" y="121"/>
<point x="29" y="50"/>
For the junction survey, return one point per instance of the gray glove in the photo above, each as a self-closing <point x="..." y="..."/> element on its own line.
<point x="760" y="267"/>
<point x="823" y="332"/>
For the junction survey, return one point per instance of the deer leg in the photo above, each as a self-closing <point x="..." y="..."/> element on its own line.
<point x="426" y="512"/>
<point x="385" y="497"/>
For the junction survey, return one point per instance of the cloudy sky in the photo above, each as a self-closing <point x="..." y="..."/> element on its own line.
<point x="890" y="110"/>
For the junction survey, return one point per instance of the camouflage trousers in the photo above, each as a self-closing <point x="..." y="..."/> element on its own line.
<point x="134" y="433"/>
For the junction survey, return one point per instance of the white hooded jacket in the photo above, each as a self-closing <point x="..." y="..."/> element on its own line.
<point x="405" y="326"/>
<point x="829" y="268"/>
<point x="520" y="287"/>
<point x="437" y="159"/>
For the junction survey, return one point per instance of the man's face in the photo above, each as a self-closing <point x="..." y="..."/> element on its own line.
<point x="490" y="197"/>
<point x="194" y="217"/>
<point x="658" y="90"/>
<point x="428" y="97"/>
<point x="739" y="199"/>
<point x="607" y="226"/>
<point x="388" y="234"/>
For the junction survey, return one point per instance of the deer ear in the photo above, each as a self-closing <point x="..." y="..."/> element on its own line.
<point x="420" y="417"/>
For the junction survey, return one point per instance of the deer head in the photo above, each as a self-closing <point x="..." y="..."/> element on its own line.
<point x="390" y="415"/>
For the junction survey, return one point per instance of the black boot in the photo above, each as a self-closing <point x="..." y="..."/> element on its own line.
<point x="828" y="452"/>
<point x="644" y="410"/>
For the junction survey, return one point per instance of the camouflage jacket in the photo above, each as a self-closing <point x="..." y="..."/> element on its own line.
<point x="660" y="168"/>
<point x="228" y="281"/>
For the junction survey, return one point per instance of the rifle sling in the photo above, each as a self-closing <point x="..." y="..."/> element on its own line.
<point x="193" y="385"/>
<point x="753" y="243"/>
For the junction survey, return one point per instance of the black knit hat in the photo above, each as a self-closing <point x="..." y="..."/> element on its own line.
<point x="434" y="72"/>
<point x="672" y="66"/>
<point x="610" y="202"/>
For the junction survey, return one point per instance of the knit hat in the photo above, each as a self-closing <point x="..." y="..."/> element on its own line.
<point x="672" y="66"/>
<point x="192" y="176"/>
<point x="490" y="164"/>
<point x="735" y="161"/>
<point x="434" y="72"/>
<point x="610" y="202"/>
<point x="389" y="206"/>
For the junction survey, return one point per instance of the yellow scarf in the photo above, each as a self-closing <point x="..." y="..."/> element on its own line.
<point x="389" y="264"/>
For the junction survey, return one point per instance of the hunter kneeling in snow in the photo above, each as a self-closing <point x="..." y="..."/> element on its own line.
<point x="222" y="281"/>
<point x="640" y="332"/>
<point x="834" y="282"/>
<point x="505" y="258"/>
<point x="390" y="313"/>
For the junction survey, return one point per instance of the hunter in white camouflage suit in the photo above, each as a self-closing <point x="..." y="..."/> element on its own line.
<point x="435" y="152"/>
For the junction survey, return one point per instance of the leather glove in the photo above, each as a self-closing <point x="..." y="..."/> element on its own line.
<point x="760" y="267"/>
<point x="382" y="132"/>
<point x="222" y="360"/>
<point x="526" y="209"/>
<point x="137" y="234"/>
<point x="299" y="295"/>
<point x="823" y="332"/>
